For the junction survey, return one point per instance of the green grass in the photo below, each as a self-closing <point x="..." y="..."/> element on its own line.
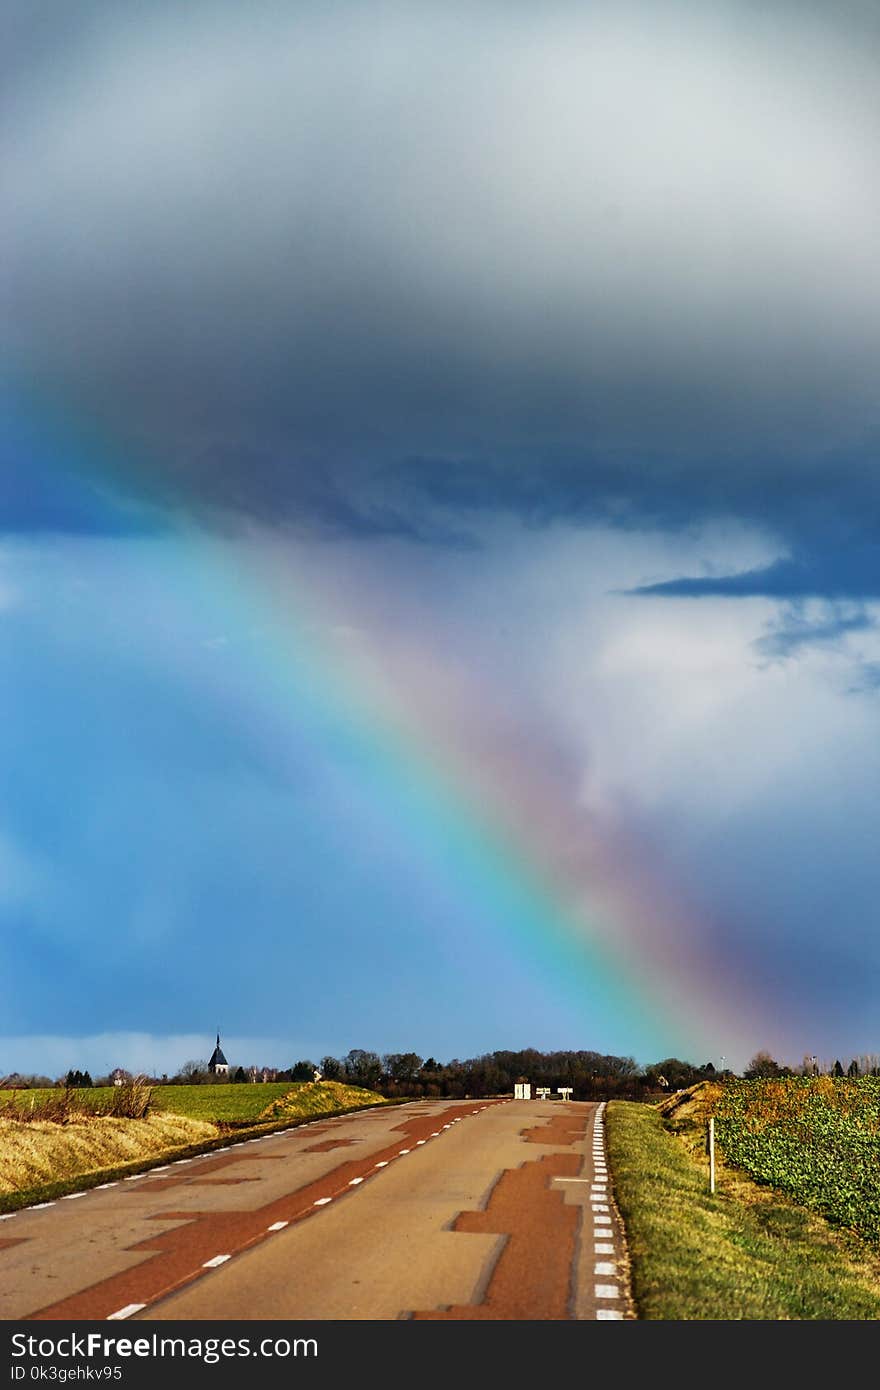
<point x="747" y="1252"/>
<point x="232" y="1104"/>
<point x="91" y="1096"/>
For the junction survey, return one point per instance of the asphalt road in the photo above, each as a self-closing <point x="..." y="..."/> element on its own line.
<point x="433" y="1210"/>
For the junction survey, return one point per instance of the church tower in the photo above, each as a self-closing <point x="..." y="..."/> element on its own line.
<point x="218" y="1065"/>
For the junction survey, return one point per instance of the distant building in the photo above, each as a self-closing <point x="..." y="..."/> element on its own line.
<point x="218" y="1065"/>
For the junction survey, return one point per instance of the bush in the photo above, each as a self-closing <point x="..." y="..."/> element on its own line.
<point x="130" y="1101"/>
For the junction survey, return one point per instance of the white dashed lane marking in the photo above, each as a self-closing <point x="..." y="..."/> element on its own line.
<point x="131" y="1308"/>
<point x="603" y="1228"/>
<point x="126" y="1312"/>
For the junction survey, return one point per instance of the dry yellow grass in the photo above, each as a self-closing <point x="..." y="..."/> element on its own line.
<point x="39" y="1152"/>
<point x="311" y="1098"/>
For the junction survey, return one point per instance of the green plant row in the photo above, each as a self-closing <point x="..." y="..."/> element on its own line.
<point x="816" y="1138"/>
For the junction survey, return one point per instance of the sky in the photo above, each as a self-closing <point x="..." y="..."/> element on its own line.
<point x="439" y="542"/>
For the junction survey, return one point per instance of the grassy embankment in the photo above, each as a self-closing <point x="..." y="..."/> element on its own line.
<point x="41" y="1158"/>
<point x="748" y="1252"/>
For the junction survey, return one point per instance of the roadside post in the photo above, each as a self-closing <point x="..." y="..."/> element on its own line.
<point x="712" y="1155"/>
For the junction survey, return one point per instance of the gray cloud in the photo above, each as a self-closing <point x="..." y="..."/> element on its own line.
<point x="796" y="631"/>
<point x="848" y="567"/>
<point x="345" y="264"/>
<point x="868" y="679"/>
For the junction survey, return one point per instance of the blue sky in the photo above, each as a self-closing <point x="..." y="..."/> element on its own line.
<point x="521" y="364"/>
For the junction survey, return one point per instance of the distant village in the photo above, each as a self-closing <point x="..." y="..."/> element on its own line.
<point x="216" y="1069"/>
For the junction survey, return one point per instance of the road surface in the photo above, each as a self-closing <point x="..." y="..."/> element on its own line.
<point x="432" y="1210"/>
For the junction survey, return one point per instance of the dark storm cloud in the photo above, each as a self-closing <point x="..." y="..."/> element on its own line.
<point x="843" y="570"/>
<point x="380" y="269"/>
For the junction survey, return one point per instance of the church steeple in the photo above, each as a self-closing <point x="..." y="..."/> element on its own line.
<point x="218" y="1064"/>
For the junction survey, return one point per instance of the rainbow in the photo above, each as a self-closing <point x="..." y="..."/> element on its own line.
<point x="440" y="775"/>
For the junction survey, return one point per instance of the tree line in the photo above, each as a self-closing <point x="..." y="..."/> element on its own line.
<point x="590" y="1075"/>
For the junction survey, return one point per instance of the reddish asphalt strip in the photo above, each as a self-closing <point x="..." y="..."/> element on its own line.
<point x="532" y="1278"/>
<point x="206" y="1239"/>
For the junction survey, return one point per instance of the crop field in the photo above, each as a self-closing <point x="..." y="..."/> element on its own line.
<point x="232" y="1104"/>
<point x="748" y="1251"/>
<point x="36" y="1096"/>
<point x="228" y="1104"/>
<point x="815" y="1138"/>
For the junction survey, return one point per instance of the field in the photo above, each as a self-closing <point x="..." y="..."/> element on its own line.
<point x="228" y="1105"/>
<point x="816" y="1138"/>
<point x="53" y="1142"/>
<point x="746" y="1252"/>
<point x="241" y="1104"/>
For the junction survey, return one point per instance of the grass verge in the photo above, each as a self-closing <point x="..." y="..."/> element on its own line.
<point x="747" y="1252"/>
<point x="40" y="1161"/>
